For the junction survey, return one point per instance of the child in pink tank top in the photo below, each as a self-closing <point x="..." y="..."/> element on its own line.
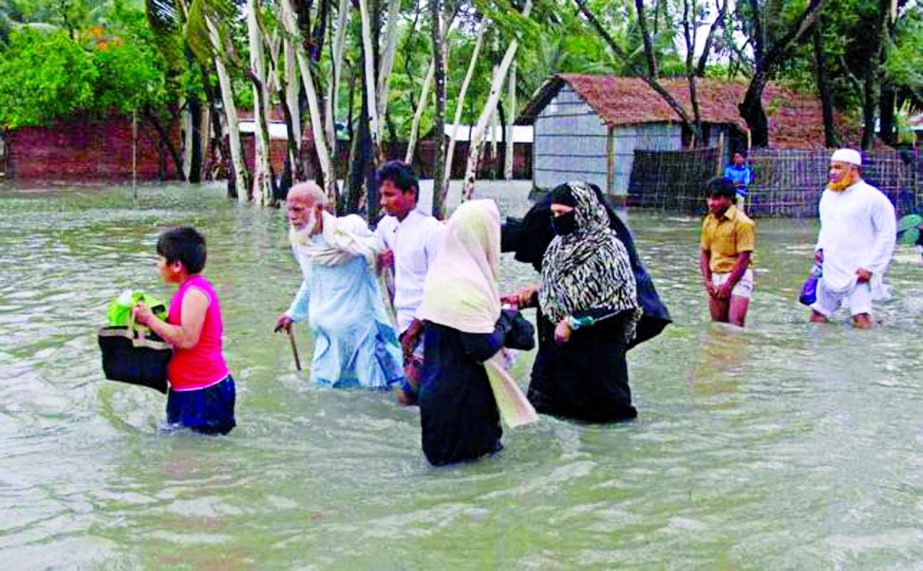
<point x="202" y="392"/>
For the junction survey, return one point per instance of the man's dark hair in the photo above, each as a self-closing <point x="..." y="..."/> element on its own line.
<point x="401" y="175"/>
<point x="721" y="186"/>
<point x="183" y="244"/>
<point x="741" y="152"/>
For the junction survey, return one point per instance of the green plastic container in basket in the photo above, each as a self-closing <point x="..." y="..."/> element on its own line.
<point x="132" y="353"/>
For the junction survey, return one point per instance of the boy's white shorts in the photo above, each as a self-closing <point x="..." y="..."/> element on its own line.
<point x="743" y="288"/>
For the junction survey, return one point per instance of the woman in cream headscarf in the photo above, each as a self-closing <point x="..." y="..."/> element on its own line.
<point x="465" y="330"/>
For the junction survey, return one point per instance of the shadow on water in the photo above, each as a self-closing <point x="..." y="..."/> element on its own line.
<point x="785" y="445"/>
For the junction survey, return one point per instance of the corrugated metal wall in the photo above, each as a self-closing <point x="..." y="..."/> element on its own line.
<point x="648" y="137"/>
<point x="570" y="143"/>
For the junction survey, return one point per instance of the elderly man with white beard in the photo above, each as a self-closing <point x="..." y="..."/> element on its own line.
<point x="354" y="341"/>
<point x="856" y="242"/>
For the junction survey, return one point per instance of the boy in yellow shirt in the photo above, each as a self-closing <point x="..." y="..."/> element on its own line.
<point x="725" y="261"/>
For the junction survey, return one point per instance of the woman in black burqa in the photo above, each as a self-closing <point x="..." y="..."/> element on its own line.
<point x="593" y="282"/>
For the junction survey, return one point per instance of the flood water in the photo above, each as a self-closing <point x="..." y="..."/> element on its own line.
<point x="783" y="446"/>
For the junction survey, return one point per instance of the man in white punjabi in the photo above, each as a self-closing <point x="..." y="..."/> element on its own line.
<point x="413" y="238"/>
<point x="354" y="342"/>
<point x="856" y="242"/>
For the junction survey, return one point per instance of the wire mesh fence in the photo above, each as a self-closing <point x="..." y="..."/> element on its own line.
<point x="672" y="180"/>
<point x="786" y="183"/>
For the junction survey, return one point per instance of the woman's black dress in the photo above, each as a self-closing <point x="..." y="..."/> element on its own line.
<point x="458" y="413"/>
<point x="587" y="377"/>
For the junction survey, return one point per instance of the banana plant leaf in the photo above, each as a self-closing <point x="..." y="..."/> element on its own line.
<point x="908" y="229"/>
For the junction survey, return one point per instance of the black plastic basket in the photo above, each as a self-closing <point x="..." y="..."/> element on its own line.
<point x="134" y="357"/>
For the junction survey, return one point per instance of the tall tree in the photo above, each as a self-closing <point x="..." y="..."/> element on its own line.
<point x="460" y="107"/>
<point x="262" y="171"/>
<point x="439" y="73"/>
<point x="210" y="41"/>
<point x="690" y="27"/>
<point x="823" y="86"/>
<point x="769" y="54"/>
<point x="476" y="143"/>
<point x="290" y="24"/>
<point x="650" y="80"/>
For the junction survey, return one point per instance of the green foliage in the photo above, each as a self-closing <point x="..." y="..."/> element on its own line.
<point x="111" y="66"/>
<point x="905" y="56"/>
<point x="44" y="77"/>
<point x="130" y="75"/>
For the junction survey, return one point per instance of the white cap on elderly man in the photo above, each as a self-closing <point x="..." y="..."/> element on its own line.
<point x="847" y="156"/>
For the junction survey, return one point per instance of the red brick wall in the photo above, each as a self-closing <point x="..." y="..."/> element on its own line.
<point x="277" y="150"/>
<point x="84" y="149"/>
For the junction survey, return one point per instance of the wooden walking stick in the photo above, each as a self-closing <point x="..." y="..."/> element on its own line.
<point x="291" y="338"/>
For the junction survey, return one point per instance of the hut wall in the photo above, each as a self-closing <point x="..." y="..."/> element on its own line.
<point x="569" y="143"/>
<point x="648" y="137"/>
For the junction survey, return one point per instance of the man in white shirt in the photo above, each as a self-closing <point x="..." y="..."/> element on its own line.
<point x="855" y="244"/>
<point x="413" y="239"/>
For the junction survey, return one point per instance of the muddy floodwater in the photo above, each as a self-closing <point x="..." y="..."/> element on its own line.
<point x="783" y="446"/>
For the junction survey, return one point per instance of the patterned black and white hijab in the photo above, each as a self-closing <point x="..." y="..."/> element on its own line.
<point x="588" y="268"/>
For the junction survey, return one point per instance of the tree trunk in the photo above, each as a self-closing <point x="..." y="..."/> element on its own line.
<point x="333" y="88"/>
<point x="502" y="145"/>
<point x="291" y="88"/>
<point x="241" y="174"/>
<point x="185" y="133"/>
<point x="460" y="104"/>
<point x="649" y="54"/>
<point x="751" y="108"/>
<point x="823" y="86"/>
<point x="710" y="38"/>
<point x="317" y="124"/>
<point x="886" y="101"/>
<point x="689" y="29"/>
<point x="194" y="173"/>
<point x="509" y="143"/>
<point x="262" y="179"/>
<point x="476" y="144"/>
<point x="494" y="126"/>
<point x="415" y="127"/>
<point x="166" y="144"/>
<point x="368" y="51"/>
<point x="626" y="59"/>
<point x="387" y="58"/>
<point x="439" y="59"/>
<point x="219" y="145"/>
<point x="872" y="80"/>
<point x="360" y="155"/>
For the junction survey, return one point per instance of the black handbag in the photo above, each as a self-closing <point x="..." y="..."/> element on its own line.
<point x="520" y="333"/>
<point x="135" y="357"/>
